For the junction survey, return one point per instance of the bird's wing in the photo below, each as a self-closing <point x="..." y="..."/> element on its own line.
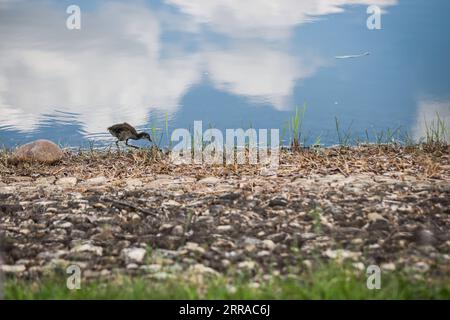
<point x="130" y="127"/>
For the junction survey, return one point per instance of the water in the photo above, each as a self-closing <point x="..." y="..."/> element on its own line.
<point x="229" y="63"/>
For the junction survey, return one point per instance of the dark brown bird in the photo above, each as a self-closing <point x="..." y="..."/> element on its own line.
<point x="125" y="132"/>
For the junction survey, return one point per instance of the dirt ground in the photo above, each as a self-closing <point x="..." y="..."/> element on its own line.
<point x="134" y="213"/>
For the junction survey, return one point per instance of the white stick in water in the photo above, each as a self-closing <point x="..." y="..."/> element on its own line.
<point x="353" y="56"/>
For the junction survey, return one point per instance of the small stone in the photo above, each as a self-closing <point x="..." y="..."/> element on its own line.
<point x="388" y="266"/>
<point x="277" y="237"/>
<point x="269" y="244"/>
<point x="225" y="263"/>
<point x="341" y="254"/>
<point x="202" y="269"/>
<point x="88" y="248"/>
<point x="250" y="248"/>
<point x="421" y="267"/>
<point x="12" y="268"/>
<point x="231" y="196"/>
<point x="178" y="231"/>
<point x="135" y="255"/>
<point x="171" y="203"/>
<point x="268" y="172"/>
<point x="165" y="227"/>
<point x="133" y="183"/>
<point x="132" y="266"/>
<point x="160" y="276"/>
<point x="263" y="253"/>
<point x="224" y="228"/>
<point x="278" y="202"/>
<point x="66" y="182"/>
<point x="45" y="181"/>
<point x="99" y="205"/>
<point x="63" y="224"/>
<point x="249" y="265"/>
<point x="308" y="236"/>
<point x="209" y="180"/>
<point x="373" y="216"/>
<point x="359" y="266"/>
<point x="307" y="263"/>
<point x="252" y="241"/>
<point x="105" y="273"/>
<point x="43" y="151"/>
<point x="357" y="241"/>
<point x="25" y="232"/>
<point x="51" y="210"/>
<point x="7" y="190"/>
<point x="424" y="237"/>
<point x="194" y="247"/>
<point x="380" y="224"/>
<point x="151" y="267"/>
<point x="97" y="181"/>
<point x="231" y="289"/>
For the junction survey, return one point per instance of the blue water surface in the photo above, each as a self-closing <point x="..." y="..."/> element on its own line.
<point x="229" y="63"/>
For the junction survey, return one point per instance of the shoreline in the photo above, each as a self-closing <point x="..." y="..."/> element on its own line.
<point x="136" y="215"/>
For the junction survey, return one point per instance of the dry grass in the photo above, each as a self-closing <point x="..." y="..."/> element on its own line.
<point x="418" y="160"/>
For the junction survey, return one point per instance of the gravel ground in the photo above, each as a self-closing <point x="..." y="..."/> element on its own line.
<point x="129" y="213"/>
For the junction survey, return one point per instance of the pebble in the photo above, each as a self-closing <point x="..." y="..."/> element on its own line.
<point x="421" y="267"/>
<point x="224" y="228"/>
<point x="194" y="247"/>
<point x="249" y="265"/>
<point x="388" y="266"/>
<point x="12" y="268"/>
<point x="341" y="254"/>
<point x="171" y="203"/>
<point x="269" y="244"/>
<point x="134" y="183"/>
<point x="178" y="230"/>
<point x="151" y="267"/>
<point x="63" y="224"/>
<point x="209" y="180"/>
<point x="202" y="269"/>
<point x="373" y="216"/>
<point x="88" y="248"/>
<point x="135" y="255"/>
<point x="424" y="237"/>
<point x="97" y="181"/>
<point x="67" y="182"/>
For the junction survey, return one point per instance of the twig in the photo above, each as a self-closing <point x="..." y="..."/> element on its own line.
<point x="129" y="205"/>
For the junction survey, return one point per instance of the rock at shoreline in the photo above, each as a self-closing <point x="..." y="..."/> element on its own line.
<point x="43" y="151"/>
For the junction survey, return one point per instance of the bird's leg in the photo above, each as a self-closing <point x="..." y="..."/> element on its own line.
<point x="117" y="144"/>
<point x="129" y="145"/>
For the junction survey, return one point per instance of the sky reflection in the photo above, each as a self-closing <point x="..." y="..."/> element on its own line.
<point x="235" y="62"/>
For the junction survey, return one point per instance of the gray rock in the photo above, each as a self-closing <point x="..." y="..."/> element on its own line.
<point x="424" y="237"/>
<point x="134" y="255"/>
<point x="178" y="231"/>
<point x="66" y="182"/>
<point x="12" y="269"/>
<point x="87" y="247"/>
<point x="224" y="228"/>
<point x="209" y="180"/>
<point x="269" y="244"/>
<point x="97" y="181"/>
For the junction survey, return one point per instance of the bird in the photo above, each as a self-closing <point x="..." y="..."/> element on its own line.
<point x="125" y="132"/>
